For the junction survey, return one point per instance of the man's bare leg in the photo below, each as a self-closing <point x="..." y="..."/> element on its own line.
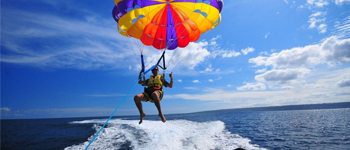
<point x="138" y="103"/>
<point x="156" y="99"/>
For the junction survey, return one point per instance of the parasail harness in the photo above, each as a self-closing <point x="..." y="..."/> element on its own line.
<point x="143" y="72"/>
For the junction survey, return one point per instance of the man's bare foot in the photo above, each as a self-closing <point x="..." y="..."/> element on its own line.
<point x="162" y="117"/>
<point x="141" y="117"/>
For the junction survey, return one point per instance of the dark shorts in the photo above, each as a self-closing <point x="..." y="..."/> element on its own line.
<point x="148" y="96"/>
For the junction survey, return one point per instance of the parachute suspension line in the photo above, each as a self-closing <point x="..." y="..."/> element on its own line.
<point x="174" y="62"/>
<point x="143" y="72"/>
<point x="172" y="41"/>
<point x="171" y="58"/>
<point x="140" y="47"/>
<point x="160" y="59"/>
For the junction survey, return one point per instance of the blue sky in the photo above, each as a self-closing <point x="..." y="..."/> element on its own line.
<point x="66" y="59"/>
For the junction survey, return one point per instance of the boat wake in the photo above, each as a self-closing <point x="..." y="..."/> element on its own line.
<point x="174" y="135"/>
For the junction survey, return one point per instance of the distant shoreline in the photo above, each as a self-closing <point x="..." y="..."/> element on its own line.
<point x="264" y="108"/>
<point x="291" y="107"/>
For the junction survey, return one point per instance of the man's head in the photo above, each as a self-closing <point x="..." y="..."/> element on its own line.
<point x="155" y="70"/>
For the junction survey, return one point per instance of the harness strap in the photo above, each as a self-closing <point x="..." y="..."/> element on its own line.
<point x="143" y="72"/>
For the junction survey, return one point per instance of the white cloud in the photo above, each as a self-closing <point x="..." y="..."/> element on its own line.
<point x="331" y="50"/>
<point x="344" y="83"/>
<point x="190" y="88"/>
<point x="195" y="81"/>
<point x="179" y="80"/>
<point x="213" y="41"/>
<point x="209" y="68"/>
<point x="282" y="75"/>
<point x="261" y="70"/>
<point x="93" y="45"/>
<point x="100" y="47"/>
<point x="292" y="67"/>
<point x="190" y="56"/>
<point x="342" y="28"/>
<point x="196" y="53"/>
<point x="318" y="3"/>
<point x="48" y="25"/>
<point x="321" y="87"/>
<point x="267" y="35"/>
<point x="341" y="2"/>
<point x="5" y="109"/>
<point x="225" y="53"/>
<point x="252" y="87"/>
<point x="210" y="80"/>
<point x="93" y="55"/>
<point x="247" y="50"/>
<point x="217" y="51"/>
<point x="231" y="53"/>
<point x="318" y="20"/>
<point x="322" y="28"/>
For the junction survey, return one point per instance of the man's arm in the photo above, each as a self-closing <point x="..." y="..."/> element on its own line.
<point x="143" y="82"/>
<point x="169" y="85"/>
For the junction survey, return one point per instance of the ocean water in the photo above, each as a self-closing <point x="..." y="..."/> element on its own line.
<point x="214" y="130"/>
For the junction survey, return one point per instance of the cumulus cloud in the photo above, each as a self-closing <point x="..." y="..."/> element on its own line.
<point x="231" y="53"/>
<point x="288" y="68"/>
<point x="195" y="81"/>
<point x="318" y="3"/>
<point x="208" y="69"/>
<point x="95" y="45"/>
<point x="330" y="50"/>
<point x="344" y="83"/>
<point x="261" y="70"/>
<point x="282" y="75"/>
<point x="247" y="50"/>
<point x="193" y="54"/>
<point x="182" y="58"/>
<point x="341" y="2"/>
<point x="317" y="21"/>
<point x="252" y="87"/>
<point x="217" y="51"/>
<point x="319" y="89"/>
<point x="225" y="53"/>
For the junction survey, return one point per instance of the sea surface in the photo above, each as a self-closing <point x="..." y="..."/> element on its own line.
<point x="212" y="130"/>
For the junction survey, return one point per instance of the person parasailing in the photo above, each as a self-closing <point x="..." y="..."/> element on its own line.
<point x="165" y="25"/>
<point x="153" y="92"/>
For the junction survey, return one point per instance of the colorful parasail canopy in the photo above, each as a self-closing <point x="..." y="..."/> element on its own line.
<point x="166" y="23"/>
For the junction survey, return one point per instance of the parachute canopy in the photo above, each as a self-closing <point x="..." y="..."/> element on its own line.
<point x="166" y="23"/>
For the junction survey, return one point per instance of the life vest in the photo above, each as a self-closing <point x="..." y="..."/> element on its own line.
<point x="155" y="81"/>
